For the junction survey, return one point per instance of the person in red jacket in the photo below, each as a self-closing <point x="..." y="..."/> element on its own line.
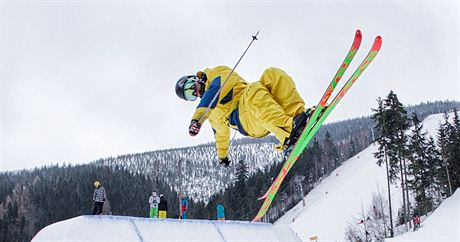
<point x="183" y="206"/>
<point x="416" y="222"/>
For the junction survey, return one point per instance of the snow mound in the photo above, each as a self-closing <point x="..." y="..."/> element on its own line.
<point x="442" y="225"/>
<point x="119" y="228"/>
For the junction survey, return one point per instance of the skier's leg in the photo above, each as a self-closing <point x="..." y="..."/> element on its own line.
<point x="101" y="206"/>
<point x="283" y="90"/>
<point x="95" y="208"/>
<point x="260" y="113"/>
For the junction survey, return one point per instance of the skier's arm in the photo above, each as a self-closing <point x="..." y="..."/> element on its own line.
<point x="151" y="199"/>
<point x="208" y="96"/>
<point x="222" y="136"/>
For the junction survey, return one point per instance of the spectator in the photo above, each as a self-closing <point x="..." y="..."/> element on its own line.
<point x="220" y="212"/>
<point x="163" y="207"/>
<point x="416" y="221"/>
<point x="183" y="207"/>
<point x="99" y="197"/>
<point x="153" y="201"/>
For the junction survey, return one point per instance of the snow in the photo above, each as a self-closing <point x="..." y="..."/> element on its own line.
<point x="119" y="228"/>
<point x="333" y="204"/>
<point x="442" y="225"/>
<point x="340" y="197"/>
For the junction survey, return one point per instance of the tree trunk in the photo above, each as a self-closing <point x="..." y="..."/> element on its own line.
<point x="389" y="196"/>
<point x="401" y="169"/>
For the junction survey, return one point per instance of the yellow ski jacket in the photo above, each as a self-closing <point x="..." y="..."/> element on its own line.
<point x="221" y="108"/>
<point x="255" y="110"/>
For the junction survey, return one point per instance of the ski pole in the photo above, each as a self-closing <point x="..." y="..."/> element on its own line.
<point x="254" y="37"/>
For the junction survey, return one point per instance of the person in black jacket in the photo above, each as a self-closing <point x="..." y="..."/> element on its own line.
<point x="99" y="197"/>
<point x="163" y="207"/>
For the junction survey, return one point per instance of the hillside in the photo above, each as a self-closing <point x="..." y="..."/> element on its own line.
<point x="195" y="169"/>
<point x="442" y="225"/>
<point x="337" y="200"/>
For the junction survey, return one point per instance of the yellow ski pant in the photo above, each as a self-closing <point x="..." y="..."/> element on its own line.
<point x="269" y="105"/>
<point x="162" y="214"/>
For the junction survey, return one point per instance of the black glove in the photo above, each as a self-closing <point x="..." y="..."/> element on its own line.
<point x="224" y="161"/>
<point x="194" y="127"/>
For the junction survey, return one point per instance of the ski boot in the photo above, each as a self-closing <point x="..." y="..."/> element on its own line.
<point x="298" y="124"/>
<point x="225" y="162"/>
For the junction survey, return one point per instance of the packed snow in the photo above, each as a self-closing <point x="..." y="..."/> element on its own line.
<point x="442" y="225"/>
<point x="118" y="228"/>
<point x="339" y="198"/>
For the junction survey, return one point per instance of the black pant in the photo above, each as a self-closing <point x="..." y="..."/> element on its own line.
<point x="97" y="208"/>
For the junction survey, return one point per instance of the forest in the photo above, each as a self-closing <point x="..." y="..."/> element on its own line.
<point x="33" y="199"/>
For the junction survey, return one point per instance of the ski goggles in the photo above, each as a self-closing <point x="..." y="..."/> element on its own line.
<point x="190" y="88"/>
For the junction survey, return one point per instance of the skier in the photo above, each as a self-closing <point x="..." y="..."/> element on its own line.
<point x="270" y="105"/>
<point x="99" y="197"/>
<point x="184" y="206"/>
<point x="220" y="212"/>
<point x="153" y="201"/>
<point x="416" y="221"/>
<point x="163" y="207"/>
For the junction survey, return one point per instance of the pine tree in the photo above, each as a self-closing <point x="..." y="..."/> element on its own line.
<point x="443" y="175"/>
<point x="392" y="123"/>
<point x="454" y="151"/>
<point x="331" y="152"/>
<point x="437" y="166"/>
<point x="241" y="191"/>
<point x="449" y="143"/>
<point x="316" y="155"/>
<point x="423" y="159"/>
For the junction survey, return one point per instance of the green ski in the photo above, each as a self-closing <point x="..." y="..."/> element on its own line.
<point x="319" y="115"/>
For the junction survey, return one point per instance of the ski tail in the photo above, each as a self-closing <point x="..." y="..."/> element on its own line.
<point x="338" y="75"/>
<point x="308" y="134"/>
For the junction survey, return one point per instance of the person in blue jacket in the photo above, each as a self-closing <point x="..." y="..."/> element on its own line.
<point x="220" y="212"/>
<point x="183" y="206"/>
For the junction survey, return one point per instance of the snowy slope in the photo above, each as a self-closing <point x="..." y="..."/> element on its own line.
<point x="344" y="194"/>
<point x="442" y="225"/>
<point x="340" y="197"/>
<point x="119" y="228"/>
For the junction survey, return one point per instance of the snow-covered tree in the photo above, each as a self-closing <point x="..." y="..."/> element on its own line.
<point x="424" y="159"/>
<point x="392" y="123"/>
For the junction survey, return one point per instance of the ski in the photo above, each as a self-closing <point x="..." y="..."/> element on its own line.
<point x="343" y="67"/>
<point x="313" y="125"/>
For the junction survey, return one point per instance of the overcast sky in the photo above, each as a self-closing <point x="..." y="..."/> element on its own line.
<point x="92" y="79"/>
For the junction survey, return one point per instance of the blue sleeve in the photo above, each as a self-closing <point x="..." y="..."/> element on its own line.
<point x="210" y="93"/>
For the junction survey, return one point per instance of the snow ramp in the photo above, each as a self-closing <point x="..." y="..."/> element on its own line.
<point x="120" y="228"/>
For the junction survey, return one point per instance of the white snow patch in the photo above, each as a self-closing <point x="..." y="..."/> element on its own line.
<point x="442" y="225"/>
<point x="119" y="228"/>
